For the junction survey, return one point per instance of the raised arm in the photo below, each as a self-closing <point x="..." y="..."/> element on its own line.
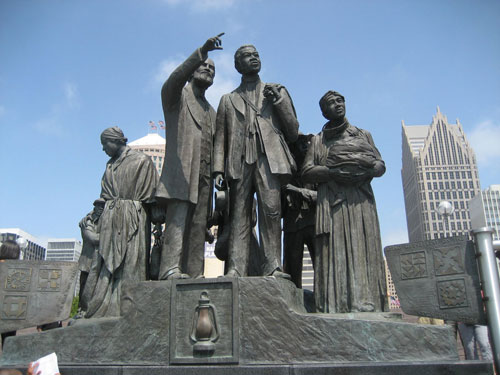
<point x="172" y="88"/>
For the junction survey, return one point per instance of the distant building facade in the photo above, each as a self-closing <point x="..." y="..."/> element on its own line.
<point x="485" y="210"/>
<point x="34" y="251"/>
<point x="63" y="249"/>
<point x="391" y="289"/>
<point x="438" y="165"/>
<point x="307" y="271"/>
<point x="152" y="145"/>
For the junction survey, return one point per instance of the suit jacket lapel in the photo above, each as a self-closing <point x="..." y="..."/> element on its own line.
<point x="237" y="101"/>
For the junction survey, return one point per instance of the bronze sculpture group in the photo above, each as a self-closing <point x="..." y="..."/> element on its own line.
<point x="250" y="147"/>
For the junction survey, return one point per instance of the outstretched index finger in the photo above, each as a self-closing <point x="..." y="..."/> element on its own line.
<point x="218" y="36"/>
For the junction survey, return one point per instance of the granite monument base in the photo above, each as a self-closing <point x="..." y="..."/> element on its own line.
<point x="377" y="368"/>
<point x="246" y="325"/>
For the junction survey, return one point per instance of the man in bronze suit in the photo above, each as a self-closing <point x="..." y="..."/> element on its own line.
<point x="185" y="183"/>
<point x="254" y="124"/>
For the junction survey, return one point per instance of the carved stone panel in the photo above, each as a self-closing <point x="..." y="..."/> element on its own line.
<point x="35" y="292"/>
<point x="14" y="307"/>
<point x="413" y="265"/>
<point x="49" y="280"/>
<point x="18" y="279"/>
<point x="204" y="321"/>
<point x="438" y="279"/>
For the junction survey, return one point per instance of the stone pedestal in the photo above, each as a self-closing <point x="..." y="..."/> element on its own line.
<point x="256" y="323"/>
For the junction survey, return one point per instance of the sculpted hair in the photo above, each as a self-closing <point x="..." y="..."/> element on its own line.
<point x="237" y="55"/>
<point x="10" y="250"/>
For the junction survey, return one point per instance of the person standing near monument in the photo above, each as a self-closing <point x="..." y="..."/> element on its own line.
<point x="124" y="227"/>
<point x="254" y="124"/>
<point x="349" y="273"/>
<point x="185" y="183"/>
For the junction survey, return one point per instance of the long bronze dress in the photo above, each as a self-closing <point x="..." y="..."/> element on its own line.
<point x="349" y="268"/>
<point x="124" y="231"/>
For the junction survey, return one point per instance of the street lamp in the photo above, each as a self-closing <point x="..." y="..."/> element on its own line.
<point x="23" y="244"/>
<point x="445" y="209"/>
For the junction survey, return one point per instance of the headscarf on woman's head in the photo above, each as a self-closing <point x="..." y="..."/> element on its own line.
<point x="114" y="134"/>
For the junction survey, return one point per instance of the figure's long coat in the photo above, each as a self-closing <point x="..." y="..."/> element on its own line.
<point x="184" y="117"/>
<point x="277" y="125"/>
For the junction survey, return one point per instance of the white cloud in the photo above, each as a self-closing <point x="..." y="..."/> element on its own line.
<point x="54" y="123"/>
<point x="485" y="140"/>
<point x="51" y="124"/>
<point x="165" y="68"/>
<point x="203" y="5"/>
<point x="226" y="76"/>
<point x="71" y="95"/>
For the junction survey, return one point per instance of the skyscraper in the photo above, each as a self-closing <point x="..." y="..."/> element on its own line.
<point x="438" y="165"/>
<point x="485" y="210"/>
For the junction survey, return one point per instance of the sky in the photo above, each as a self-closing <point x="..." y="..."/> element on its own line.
<point x="70" y="69"/>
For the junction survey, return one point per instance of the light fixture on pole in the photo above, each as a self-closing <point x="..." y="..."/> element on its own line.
<point x="445" y="210"/>
<point x="23" y="244"/>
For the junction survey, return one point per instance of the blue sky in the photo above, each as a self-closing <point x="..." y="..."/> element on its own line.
<point x="69" y="69"/>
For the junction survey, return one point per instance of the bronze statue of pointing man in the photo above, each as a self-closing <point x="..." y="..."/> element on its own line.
<point x="185" y="183"/>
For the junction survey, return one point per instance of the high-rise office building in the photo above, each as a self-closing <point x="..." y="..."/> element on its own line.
<point x="307" y="271"/>
<point x="63" y="249"/>
<point x="34" y="250"/>
<point x="438" y="165"/>
<point x="66" y="250"/>
<point x="485" y="210"/>
<point x="152" y="145"/>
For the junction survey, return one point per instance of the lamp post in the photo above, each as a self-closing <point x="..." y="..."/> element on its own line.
<point x="445" y="209"/>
